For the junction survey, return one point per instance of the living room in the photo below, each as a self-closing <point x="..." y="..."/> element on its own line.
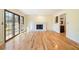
<point x="60" y="23"/>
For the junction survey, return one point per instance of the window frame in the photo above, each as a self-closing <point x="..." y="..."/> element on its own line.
<point x="22" y="23"/>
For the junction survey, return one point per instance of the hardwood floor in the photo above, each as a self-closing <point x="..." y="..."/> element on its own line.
<point x="41" y="41"/>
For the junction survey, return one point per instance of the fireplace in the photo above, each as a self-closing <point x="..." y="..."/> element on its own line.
<point x="39" y="26"/>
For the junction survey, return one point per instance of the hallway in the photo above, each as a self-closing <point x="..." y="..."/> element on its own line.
<point x="41" y="41"/>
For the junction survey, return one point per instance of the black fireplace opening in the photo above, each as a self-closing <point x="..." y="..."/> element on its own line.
<point x="39" y="26"/>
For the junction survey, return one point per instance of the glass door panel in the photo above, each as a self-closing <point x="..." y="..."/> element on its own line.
<point x="16" y="24"/>
<point x="9" y="25"/>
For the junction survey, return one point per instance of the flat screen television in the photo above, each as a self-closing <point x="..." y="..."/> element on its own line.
<point x="39" y="26"/>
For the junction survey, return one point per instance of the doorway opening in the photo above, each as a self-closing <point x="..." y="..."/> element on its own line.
<point x="63" y="24"/>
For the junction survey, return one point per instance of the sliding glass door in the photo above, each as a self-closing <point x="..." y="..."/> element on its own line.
<point x="12" y="24"/>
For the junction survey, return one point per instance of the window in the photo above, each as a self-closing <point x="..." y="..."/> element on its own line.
<point x="11" y="24"/>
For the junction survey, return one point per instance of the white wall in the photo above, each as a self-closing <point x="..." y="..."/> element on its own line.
<point x="1" y="27"/>
<point x="72" y="21"/>
<point x="37" y="19"/>
<point x="56" y="26"/>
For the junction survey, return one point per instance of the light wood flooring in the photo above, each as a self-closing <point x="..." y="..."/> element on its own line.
<point x="41" y="41"/>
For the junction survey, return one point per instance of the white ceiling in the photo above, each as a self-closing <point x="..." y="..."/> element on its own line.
<point x="40" y="11"/>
